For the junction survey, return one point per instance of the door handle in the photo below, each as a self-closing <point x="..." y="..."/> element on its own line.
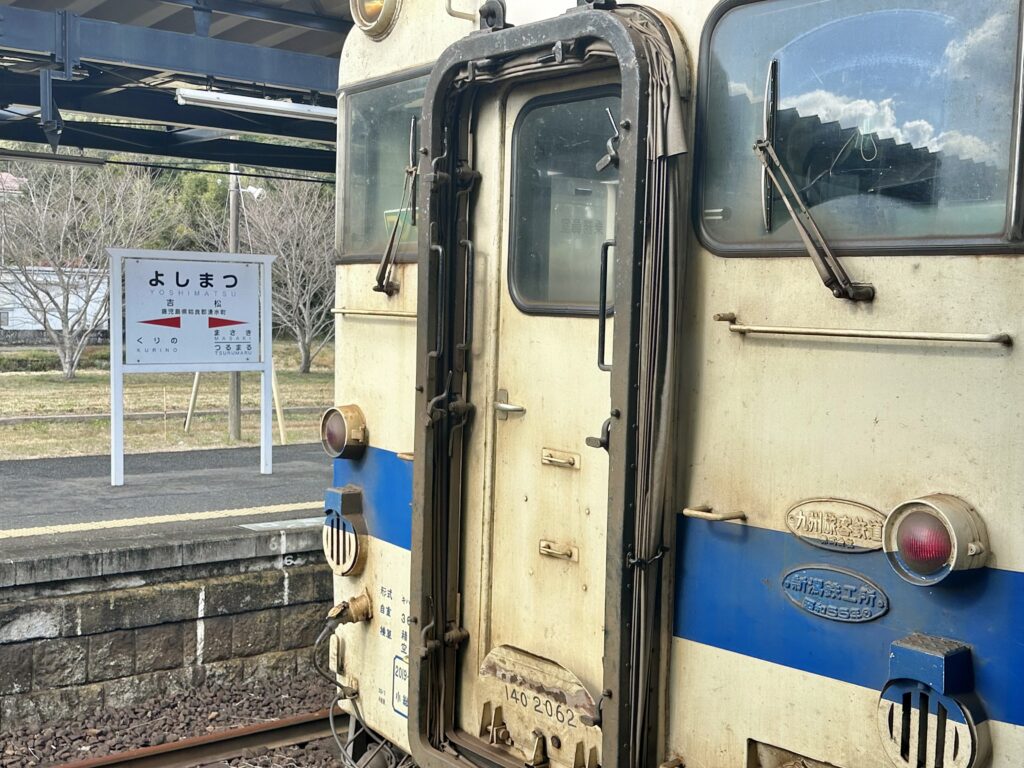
<point x="558" y="551"/>
<point x="502" y="407"/>
<point x="509" y="408"/>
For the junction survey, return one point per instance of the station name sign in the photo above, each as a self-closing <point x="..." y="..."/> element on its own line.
<point x="191" y="312"/>
<point x="183" y="312"/>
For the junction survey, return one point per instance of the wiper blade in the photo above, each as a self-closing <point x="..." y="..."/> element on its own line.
<point x="825" y="261"/>
<point x="829" y="268"/>
<point x="771" y="108"/>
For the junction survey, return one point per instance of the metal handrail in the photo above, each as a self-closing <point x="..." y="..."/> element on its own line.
<point x="705" y="513"/>
<point x="372" y="313"/>
<point x="849" y="333"/>
<point x="458" y="14"/>
<point x="602" y="305"/>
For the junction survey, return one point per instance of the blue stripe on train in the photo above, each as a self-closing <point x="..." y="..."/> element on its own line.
<point x="729" y="595"/>
<point x="386" y="481"/>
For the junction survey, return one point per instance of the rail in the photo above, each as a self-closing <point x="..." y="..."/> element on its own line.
<point x="849" y="333"/>
<point x="222" y="745"/>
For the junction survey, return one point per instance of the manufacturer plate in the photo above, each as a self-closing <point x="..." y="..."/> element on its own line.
<point x="837" y="525"/>
<point x="834" y="593"/>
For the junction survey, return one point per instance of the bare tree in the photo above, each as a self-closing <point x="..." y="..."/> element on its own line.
<point x="294" y="221"/>
<point x="53" y="238"/>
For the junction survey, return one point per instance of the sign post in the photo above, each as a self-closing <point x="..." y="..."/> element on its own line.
<point x="176" y="312"/>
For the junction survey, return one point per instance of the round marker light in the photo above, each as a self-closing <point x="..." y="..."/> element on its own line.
<point x="928" y="538"/>
<point x="924" y="542"/>
<point x="343" y="432"/>
<point x="371" y="10"/>
<point x="334" y="432"/>
<point x="375" y="17"/>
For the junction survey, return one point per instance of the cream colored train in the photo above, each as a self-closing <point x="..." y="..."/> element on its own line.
<point x="680" y="419"/>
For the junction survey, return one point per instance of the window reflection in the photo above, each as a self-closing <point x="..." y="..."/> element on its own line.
<point x="563" y="208"/>
<point x="894" y="118"/>
<point x="377" y="154"/>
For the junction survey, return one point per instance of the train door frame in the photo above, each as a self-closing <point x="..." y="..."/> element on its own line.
<point x="444" y="408"/>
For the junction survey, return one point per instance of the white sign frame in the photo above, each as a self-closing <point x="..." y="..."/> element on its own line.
<point x="118" y="366"/>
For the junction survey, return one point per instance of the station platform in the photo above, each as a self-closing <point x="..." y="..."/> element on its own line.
<point x="198" y="571"/>
<point x="61" y="518"/>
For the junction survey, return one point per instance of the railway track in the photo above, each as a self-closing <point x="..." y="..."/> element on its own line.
<point x="222" y="745"/>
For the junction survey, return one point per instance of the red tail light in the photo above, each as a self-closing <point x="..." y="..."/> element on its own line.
<point x="928" y="538"/>
<point x="924" y="543"/>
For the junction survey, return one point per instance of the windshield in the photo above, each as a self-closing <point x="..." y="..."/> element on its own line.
<point x="894" y="119"/>
<point x="376" y="156"/>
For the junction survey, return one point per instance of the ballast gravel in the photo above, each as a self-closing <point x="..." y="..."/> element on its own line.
<point x="212" y="706"/>
<point x="315" y="754"/>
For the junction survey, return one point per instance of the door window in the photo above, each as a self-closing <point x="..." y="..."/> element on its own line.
<point x="563" y="207"/>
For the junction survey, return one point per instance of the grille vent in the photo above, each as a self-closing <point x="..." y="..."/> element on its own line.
<point x="921" y="728"/>
<point x="344" y="548"/>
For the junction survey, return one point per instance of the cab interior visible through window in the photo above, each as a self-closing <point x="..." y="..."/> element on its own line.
<point x="563" y="205"/>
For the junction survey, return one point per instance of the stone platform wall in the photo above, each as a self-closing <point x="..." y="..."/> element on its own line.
<point x="92" y="630"/>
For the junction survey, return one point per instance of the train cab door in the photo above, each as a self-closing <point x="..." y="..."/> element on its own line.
<point x="543" y="147"/>
<point x="540" y="490"/>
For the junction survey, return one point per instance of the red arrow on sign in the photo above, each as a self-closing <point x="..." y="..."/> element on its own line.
<point x="169" y="322"/>
<point x="219" y="322"/>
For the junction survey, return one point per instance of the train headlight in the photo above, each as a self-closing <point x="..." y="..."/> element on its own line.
<point x="928" y="538"/>
<point x="375" y="17"/>
<point x="343" y="432"/>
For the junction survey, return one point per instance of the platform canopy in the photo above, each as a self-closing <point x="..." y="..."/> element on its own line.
<point x="103" y="75"/>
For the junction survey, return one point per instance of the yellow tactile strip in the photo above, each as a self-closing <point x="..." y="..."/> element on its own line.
<point x="130" y="522"/>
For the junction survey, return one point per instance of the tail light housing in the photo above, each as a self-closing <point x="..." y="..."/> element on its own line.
<point x="343" y="432"/>
<point x="928" y="538"/>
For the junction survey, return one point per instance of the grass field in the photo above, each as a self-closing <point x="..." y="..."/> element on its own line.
<point x="42" y="394"/>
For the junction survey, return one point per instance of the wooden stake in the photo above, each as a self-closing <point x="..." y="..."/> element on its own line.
<point x="277" y="403"/>
<point x="192" y="403"/>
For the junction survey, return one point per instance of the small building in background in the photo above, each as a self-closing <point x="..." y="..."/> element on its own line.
<point x="19" y="326"/>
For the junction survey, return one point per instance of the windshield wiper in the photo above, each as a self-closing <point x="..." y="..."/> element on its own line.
<point x="383" y="282"/>
<point x="775" y="177"/>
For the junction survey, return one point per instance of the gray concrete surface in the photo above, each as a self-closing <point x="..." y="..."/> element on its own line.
<point x="48" y="492"/>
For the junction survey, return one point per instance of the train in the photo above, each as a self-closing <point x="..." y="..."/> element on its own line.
<point x="678" y="403"/>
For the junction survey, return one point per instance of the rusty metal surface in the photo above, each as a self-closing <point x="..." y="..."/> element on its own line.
<point x="200" y="750"/>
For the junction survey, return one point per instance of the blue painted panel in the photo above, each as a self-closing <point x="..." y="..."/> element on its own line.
<point x="729" y="594"/>
<point x="386" y="481"/>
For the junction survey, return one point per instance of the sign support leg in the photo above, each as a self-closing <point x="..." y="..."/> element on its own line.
<point x="116" y="375"/>
<point x="267" y="376"/>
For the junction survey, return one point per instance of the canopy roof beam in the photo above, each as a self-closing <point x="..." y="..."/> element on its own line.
<point x="269" y="13"/>
<point x="67" y="40"/>
<point x="183" y="144"/>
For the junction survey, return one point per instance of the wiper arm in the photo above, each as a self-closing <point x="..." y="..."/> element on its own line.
<point x="829" y="268"/>
<point x="383" y="282"/>
<point x="825" y="261"/>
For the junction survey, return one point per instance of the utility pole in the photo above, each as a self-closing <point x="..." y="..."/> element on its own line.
<point x="235" y="378"/>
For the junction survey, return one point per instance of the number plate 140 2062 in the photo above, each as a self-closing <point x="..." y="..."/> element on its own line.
<point x="542" y="705"/>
